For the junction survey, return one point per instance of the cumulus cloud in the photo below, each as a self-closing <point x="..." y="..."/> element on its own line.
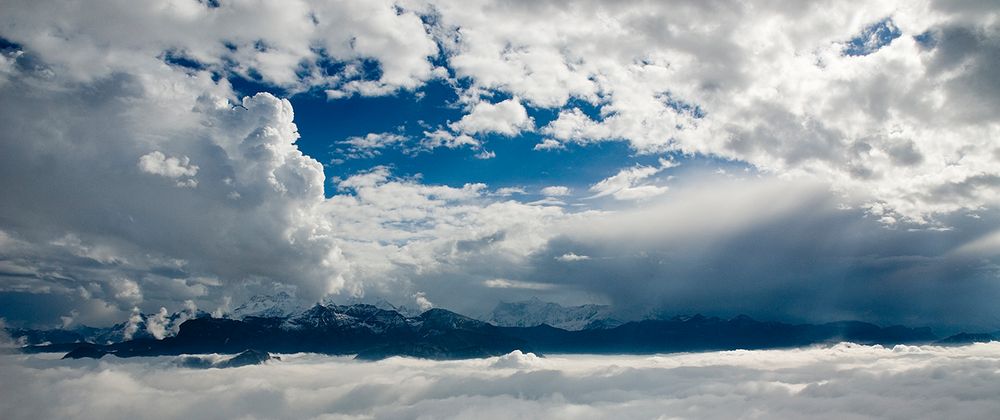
<point x="555" y="191"/>
<point x="549" y="144"/>
<point x="370" y="144"/>
<point x="444" y="138"/>
<point x="842" y="381"/>
<point x="903" y="114"/>
<point x="509" y="191"/>
<point x="102" y="234"/>
<point x="289" y="44"/>
<point x="506" y="117"/>
<point x="171" y="167"/>
<point x="423" y="304"/>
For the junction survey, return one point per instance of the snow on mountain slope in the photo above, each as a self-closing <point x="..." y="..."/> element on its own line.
<point x="278" y="305"/>
<point x="359" y="316"/>
<point x="533" y="312"/>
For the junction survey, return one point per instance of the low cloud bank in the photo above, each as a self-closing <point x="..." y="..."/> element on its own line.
<point x="843" y="381"/>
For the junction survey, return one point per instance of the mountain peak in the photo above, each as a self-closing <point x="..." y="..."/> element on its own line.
<point x="277" y="305"/>
<point x="534" y="312"/>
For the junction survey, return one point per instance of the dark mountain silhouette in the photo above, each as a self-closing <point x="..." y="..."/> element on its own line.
<point x="246" y="358"/>
<point x="374" y="333"/>
<point x="967" y="338"/>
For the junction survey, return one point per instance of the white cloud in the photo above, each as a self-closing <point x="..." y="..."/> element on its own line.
<point x="906" y="125"/>
<point x="555" y="191"/>
<point x="571" y="257"/>
<point x="422" y="302"/>
<point x="509" y="191"/>
<point x="549" y="144"/>
<point x="515" y="284"/>
<point x="842" y="381"/>
<point x="443" y="138"/>
<point x="507" y="117"/>
<point x="126" y="290"/>
<point x="624" y="184"/>
<point x="371" y="143"/>
<point x="289" y="44"/>
<point x="171" y="167"/>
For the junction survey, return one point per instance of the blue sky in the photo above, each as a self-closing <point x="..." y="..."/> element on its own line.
<point x="325" y="123"/>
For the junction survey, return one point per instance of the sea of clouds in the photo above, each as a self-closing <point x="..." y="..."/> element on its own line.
<point x="844" y="381"/>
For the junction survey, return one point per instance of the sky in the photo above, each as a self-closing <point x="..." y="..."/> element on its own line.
<point x="803" y="162"/>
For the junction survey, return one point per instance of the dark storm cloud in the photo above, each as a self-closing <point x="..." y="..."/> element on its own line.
<point x="753" y="249"/>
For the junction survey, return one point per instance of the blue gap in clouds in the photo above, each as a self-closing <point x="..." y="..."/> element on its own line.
<point x="323" y="124"/>
<point x="7" y="45"/>
<point x="926" y="39"/>
<point x="872" y="38"/>
<point x="180" y="59"/>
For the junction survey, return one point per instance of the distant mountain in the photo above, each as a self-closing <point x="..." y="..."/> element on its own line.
<point x="363" y="330"/>
<point x="374" y="333"/>
<point x="700" y="333"/>
<point x="279" y="324"/>
<point x="377" y="302"/>
<point x="278" y="305"/>
<point x="534" y="312"/>
<point x="246" y="358"/>
<point x="967" y="338"/>
<point x="153" y="326"/>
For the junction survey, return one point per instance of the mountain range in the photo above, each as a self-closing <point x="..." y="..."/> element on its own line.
<point x="278" y="325"/>
<point x="535" y="312"/>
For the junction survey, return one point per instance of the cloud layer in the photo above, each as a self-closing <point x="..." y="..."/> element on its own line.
<point x="843" y="381"/>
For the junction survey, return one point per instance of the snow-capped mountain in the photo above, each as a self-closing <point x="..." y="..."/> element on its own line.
<point x="359" y="316"/>
<point x="139" y="325"/>
<point x="157" y="325"/>
<point x="278" y="305"/>
<point x="377" y="302"/>
<point x="534" y="312"/>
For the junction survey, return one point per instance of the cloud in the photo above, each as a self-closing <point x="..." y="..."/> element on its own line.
<point x="733" y="246"/>
<point x="509" y="191"/>
<point x="372" y="143"/>
<point x="888" y="100"/>
<point x="507" y="117"/>
<point x="115" y="236"/>
<point x="294" y="45"/>
<point x="444" y="138"/>
<point x="422" y="303"/>
<point x="127" y="290"/>
<point x="571" y="257"/>
<point x="549" y="144"/>
<point x="555" y="191"/>
<point x="159" y="164"/>
<point x="841" y="381"/>
<point x="515" y="284"/>
<point x="624" y="184"/>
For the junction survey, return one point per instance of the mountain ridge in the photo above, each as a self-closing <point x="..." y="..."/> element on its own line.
<point x="372" y="333"/>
